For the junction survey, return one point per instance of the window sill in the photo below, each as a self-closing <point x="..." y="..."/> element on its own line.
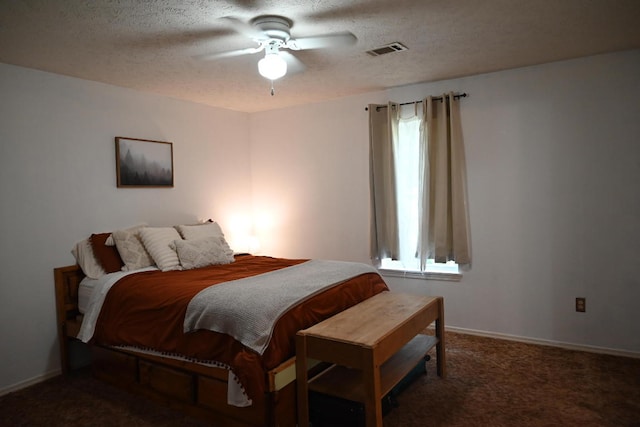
<point x="424" y="275"/>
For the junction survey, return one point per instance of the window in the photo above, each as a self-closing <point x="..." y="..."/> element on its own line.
<point x="407" y="167"/>
<point x="418" y="189"/>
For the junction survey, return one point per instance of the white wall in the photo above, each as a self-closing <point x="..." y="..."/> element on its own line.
<point x="553" y="159"/>
<point x="58" y="185"/>
<point x="310" y="180"/>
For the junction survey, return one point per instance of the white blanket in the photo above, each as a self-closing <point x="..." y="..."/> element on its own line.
<point x="248" y="309"/>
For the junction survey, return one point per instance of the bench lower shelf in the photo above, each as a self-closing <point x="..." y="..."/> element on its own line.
<point x="330" y="411"/>
<point x="346" y="383"/>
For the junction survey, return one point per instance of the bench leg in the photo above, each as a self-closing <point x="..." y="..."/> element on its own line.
<point x="301" y="381"/>
<point x="440" y="347"/>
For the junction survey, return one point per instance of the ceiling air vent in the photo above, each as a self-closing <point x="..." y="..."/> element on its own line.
<point x="392" y="47"/>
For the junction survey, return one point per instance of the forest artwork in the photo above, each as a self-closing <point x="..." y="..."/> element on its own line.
<point x="144" y="163"/>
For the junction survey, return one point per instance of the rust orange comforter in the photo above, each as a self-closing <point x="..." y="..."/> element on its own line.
<point x="147" y="310"/>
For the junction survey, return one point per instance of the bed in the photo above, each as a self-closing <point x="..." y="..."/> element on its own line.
<point x="214" y="374"/>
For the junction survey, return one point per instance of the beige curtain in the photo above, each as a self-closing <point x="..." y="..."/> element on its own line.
<point x="444" y="220"/>
<point x="383" y="130"/>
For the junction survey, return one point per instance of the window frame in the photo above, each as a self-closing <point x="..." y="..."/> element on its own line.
<point x="424" y="275"/>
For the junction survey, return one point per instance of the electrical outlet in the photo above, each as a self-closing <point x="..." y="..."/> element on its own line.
<point x="581" y="305"/>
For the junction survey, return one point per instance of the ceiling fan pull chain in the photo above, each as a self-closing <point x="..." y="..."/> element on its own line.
<point x="273" y="92"/>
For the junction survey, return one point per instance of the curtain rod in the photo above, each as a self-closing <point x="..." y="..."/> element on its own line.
<point x="436" y="98"/>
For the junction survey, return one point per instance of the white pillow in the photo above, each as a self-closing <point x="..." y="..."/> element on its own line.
<point x="157" y="241"/>
<point x="85" y="258"/>
<point x="198" y="253"/>
<point x="209" y="229"/>
<point x="111" y="242"/>
<point x="131" y="249"/>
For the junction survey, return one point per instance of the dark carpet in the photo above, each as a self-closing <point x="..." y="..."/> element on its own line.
<point x="490" y="382"/>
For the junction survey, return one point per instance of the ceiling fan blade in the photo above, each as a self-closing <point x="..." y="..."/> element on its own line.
<point x="170" y="39"/>
<point x="243" y="28"/>
<point x="294" y="65"/>
<point x="317" y="42"/>
<point x="230" y="53"/>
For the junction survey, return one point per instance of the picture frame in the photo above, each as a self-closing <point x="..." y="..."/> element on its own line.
<point x="143" y="163"/>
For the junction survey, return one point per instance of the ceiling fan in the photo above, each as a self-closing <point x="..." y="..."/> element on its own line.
<point x="272" y="33"/>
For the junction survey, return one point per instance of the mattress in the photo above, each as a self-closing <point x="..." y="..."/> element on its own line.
<point x="84" y="293"/>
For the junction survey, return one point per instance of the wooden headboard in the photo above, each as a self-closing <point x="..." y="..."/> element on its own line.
<point x="67" y="281"/>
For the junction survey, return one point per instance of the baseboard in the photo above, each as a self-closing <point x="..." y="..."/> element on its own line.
<point x="551" y="343"/>
<point x="30" y="382"/>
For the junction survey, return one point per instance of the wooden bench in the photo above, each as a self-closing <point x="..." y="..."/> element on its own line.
<point x="373" y="345"/>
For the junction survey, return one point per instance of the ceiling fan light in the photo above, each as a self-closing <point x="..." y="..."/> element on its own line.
<point x="272" y="66"/>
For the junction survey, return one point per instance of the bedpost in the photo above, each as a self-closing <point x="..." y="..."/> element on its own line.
<point x="67" y="280"/>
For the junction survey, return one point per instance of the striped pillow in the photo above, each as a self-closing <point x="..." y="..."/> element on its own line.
<point x="157" y="241"/>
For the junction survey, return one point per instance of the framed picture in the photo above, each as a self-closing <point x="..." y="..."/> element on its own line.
<point x="144" y="163"/>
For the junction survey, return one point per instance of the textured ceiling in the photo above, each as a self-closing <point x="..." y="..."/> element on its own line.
<point x="157" y="45"/>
